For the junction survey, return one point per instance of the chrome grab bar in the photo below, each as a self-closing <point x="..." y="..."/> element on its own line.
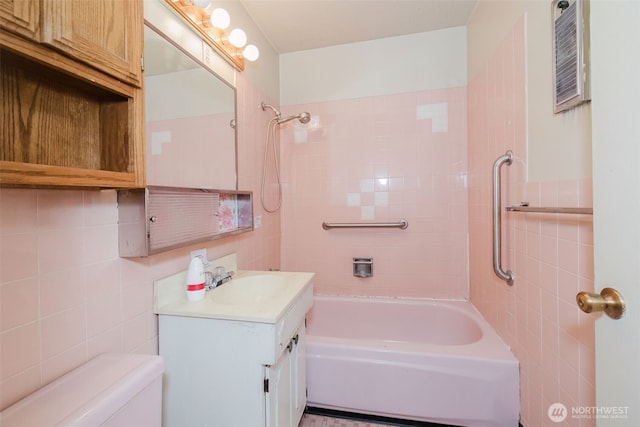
<point x="402" y="224"/>
<point x="507" y="276"/>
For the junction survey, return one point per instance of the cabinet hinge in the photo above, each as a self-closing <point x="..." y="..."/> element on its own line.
<point x="142" y="63"/>
<point x="266" y="385"/>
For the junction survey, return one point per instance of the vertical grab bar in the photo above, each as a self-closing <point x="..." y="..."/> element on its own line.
<point x="507" y="276"/>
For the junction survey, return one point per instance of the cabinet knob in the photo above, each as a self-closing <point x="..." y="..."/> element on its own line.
<point x="290" y="346"/>
<point x="295" y="339"/>
<point x="153" y="218"/>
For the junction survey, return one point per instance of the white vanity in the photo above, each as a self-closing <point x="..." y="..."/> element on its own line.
<point x="237" y="357"/>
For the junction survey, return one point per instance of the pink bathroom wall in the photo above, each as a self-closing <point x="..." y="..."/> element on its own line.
<point x="550" y="255"/>
<point x="380" y="159"/>
<point x="65" y="295"/>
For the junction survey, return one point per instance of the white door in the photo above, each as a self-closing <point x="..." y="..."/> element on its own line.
<point x="615" y="50"/>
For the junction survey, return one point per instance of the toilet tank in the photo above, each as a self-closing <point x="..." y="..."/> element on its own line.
<point x="123" y="390"/>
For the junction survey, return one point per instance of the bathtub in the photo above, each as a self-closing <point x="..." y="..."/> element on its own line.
<point x="424" y="360"/>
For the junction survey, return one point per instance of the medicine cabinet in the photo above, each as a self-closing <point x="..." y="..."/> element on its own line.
<point x="190" y="118"/>
<point x="158" y="219"/>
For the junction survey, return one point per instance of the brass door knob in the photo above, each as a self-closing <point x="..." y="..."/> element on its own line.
<point x="608" y="300"/>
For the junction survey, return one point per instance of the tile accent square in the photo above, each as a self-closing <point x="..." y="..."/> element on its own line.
<point x="367" y="212"/>
<point x="367" y="185"/>
<point x="381" y="198"/>
<point x="157" y="140"/>
<point x="300" y="135"/>
<point x="438" y="113"/>
<point x="353" y="199"/>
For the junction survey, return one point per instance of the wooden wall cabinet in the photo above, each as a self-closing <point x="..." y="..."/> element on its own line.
<point x="107" y="34"/>
<point x="21" y="17"/>
<point x="72" y="101"/>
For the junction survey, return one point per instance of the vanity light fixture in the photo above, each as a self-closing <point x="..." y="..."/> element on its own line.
<point x="220" y="18"/>
<point x="237" y="37"/>
<point x="250" y="52"/>
<point x="202" y="4"/>
<point x="211" y="25"/>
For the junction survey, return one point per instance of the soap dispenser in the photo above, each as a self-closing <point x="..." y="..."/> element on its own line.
<point x="195" y="280"/>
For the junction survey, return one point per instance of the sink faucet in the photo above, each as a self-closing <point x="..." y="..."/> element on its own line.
<point x="219" y="278"/>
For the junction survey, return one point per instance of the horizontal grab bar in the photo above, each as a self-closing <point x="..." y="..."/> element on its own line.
<point x="527" y="208"/>
<point x="402" y="224"/>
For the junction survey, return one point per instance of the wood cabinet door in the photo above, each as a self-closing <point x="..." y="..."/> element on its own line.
<point x="106" y="34"/>
<point x="21" y="17"/>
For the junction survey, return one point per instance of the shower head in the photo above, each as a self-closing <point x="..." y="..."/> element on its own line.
<point x="303" y="117"/>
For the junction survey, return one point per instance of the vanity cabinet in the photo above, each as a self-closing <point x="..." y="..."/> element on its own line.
<point x="231" y="372"/>
<point x="219" y="373"/>
<point x="72" y="104"/>
<point x="285" y="384"/>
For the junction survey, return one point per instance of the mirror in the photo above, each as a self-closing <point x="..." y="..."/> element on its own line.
<point x="190" y="119"/>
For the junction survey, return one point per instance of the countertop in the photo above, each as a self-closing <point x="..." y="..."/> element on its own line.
<point x="170" y="298"/>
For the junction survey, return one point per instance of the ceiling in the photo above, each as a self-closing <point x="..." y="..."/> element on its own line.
<point x="293" y="25"/>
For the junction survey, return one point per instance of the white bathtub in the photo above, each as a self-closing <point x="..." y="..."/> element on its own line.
<point x="426" y="360"/>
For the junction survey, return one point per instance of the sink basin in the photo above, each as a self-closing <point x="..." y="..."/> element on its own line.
<point x="254" y="289"/>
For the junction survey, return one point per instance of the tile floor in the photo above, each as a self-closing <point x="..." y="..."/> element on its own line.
<point x="312" y="420"/>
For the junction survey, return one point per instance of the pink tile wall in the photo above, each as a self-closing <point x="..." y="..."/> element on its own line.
<point x="550" y="255"/>
<point x="65" y="295"/>
<point x="381" y="158"/>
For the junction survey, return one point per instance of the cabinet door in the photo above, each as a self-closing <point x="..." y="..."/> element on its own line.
<point x="298" y="376"/>
<point x="279" y="394"/>
<point x="107" y="34"/>
<point x="21" y="17"/>
<point x="287" y="396"/>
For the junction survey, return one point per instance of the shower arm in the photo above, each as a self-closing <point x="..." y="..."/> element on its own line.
<point x="270" y="107"/>
<point x="304" y="117"/>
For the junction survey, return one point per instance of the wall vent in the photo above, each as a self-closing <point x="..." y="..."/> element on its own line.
<point x="571" y="53"/>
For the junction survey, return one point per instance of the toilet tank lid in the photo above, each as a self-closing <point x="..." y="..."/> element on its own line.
<point x="87" y="395"/>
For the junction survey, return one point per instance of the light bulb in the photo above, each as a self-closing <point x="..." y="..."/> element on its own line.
<point x="237" y="37"/>
<point x="202" y="4"/>
<point x="220" y="18"/>
<point x="251" y="52"/>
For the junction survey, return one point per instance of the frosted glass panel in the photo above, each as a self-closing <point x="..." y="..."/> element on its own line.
<point x="181" y="218"/>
